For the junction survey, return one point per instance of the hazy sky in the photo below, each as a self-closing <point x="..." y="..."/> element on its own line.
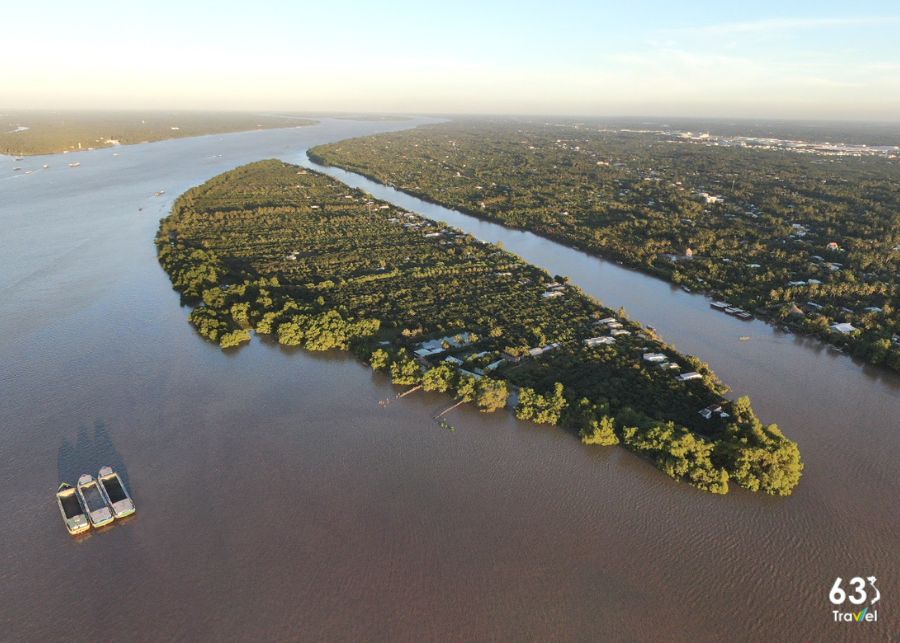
<point x="791" y="58"/>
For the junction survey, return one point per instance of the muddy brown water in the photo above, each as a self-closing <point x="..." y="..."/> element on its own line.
<point x="278" y="499"/>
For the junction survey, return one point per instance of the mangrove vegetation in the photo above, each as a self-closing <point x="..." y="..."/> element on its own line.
<point x="275" y="250"/>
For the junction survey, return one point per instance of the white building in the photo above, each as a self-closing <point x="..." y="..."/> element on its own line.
<point x="599" y="341"/>
<point x="537" y="352"/>
<point x="844" y="329"/>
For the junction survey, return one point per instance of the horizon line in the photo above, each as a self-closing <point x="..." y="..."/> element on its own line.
<point x="426" y="114"/>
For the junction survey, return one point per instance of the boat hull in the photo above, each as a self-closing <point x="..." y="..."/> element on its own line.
<point x="114" y="493"/>
<point x="75" y="520"/>
<point x="92" y="499"/>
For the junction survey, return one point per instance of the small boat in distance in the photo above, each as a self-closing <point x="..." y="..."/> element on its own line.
<point x="45" y="166"/>
<point x="72" y="512"/>
<point x="93" y="501"/>
<point x="720" y="305"/>
<point x="160" y="193"/>
<point x="686" y="289"/>
<point x="75" y="164"/>
<point x="744" y="315"/>
<point x="114" y="492"/>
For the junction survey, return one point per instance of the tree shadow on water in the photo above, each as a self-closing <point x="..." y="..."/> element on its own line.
<point x="88" y="453"/>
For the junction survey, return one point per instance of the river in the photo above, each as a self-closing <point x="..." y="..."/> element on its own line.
<point x="277" y="499"/>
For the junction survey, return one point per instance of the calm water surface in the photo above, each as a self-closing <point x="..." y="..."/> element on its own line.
<point x="276" y="498"/>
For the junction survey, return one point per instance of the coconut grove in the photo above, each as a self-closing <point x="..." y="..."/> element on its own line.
<point x="278" y="251"/>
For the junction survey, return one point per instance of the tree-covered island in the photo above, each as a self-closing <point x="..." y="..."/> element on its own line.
<point x="804" y="234"/>
<point x="278" y="250"/>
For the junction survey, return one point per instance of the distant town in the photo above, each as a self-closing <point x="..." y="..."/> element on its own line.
<point x="774" y="144"/>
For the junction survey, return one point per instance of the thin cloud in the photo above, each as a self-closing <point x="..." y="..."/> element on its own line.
<point x="792" y="24"/>
<point x="883" y="66"/>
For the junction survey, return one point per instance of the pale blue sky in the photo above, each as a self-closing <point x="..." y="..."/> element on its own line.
<point x="793" y="59"/>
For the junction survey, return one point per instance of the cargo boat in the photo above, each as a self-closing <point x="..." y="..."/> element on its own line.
<point x="114" y="492"/>
<point x="72" y="512"/>
<point x="93" y="501"/>
<point x="720" y="305"/>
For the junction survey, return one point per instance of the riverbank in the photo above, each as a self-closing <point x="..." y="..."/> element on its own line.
<point x="35" y="133"/>
<point x="358" y="518"/>
<point x="442" y="310"/>
<point x="795" y="322"/>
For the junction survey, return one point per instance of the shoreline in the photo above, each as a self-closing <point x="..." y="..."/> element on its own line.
<point x="151" y="138"/>
<point x="378" y="493"/>
<point x="574" y="245"/>
<point x="634" y="394"/>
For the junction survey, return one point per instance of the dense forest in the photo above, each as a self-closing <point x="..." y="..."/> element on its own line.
<point x="295" y="256"/>
<point x="810" y="241"/>
<point x="39" y="132"/>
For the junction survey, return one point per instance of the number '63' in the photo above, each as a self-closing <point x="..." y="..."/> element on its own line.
<point x="837" y="595"/>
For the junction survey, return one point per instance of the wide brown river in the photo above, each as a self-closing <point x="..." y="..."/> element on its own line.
<point x="278" y="500"/>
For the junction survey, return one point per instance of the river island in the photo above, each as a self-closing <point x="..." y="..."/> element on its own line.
<point x="287" y="253"/>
